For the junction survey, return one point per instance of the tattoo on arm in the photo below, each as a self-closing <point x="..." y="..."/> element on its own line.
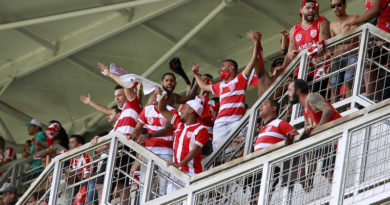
<point x="317" y="103"/>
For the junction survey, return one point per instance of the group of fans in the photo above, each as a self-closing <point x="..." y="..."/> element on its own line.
<point x="184" y="136"/>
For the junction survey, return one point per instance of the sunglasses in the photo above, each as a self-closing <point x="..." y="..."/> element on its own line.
<point x="336" y="5"/>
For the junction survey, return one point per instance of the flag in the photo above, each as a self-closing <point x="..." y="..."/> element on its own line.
<point x="52" y="131"/>
<point x="117" y="70"/>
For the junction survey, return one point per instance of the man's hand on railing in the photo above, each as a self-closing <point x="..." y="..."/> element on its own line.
<point x="307" y="132"/>
<point x="170" y="163"/>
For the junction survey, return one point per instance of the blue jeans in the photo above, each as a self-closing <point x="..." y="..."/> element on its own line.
<point x="345" y="76"/>
<point x="92" y="192"/>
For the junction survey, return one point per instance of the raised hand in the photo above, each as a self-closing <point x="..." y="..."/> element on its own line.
<point x="254" y="36"/>
<point x="103" y="69"/>
<point x="85" y="99"/>
<point x="195" y="68"/>
<point x="293" y="54"/>
<point x="284" y="33"/>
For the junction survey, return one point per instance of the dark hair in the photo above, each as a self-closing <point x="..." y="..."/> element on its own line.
<point x="301" y="85"/>
<point x="80" y="139"/>
<point x="118" y="87"/>
<point x="276" y="62"/>
<point x="344" y="1"/>
<point x="235" y="65"/>
<point x="169" y="73"/>
<point x="208" y="75"/>
<point x="276" y="104"/>
<point x="62" y="135"/>
<point x="2" y="139"/>
<point x="116" y="108"/>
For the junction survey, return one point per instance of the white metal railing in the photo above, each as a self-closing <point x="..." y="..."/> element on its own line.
<point x="326" y="168"/>
<point x="366" y="48"/>
<point x="61" y="181"/>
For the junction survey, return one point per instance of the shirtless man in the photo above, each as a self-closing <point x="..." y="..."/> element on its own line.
<point x="336" y="28"/>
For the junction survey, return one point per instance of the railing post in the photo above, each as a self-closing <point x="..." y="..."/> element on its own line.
<point x="14" y="174"/>
<point x="148" y="181"/>
<point x="360" y="65"/>
<point x="109" y="170"/>
<point x="263" y="186"/>
<point x="190" y="198"/>
<point x="250" y="132"/>
<point x="339" y="170"/>
<point x="55" y="183"/>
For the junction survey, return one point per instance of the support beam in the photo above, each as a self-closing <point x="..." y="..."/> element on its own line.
<point x="267" y="13"/>
<point x="186" y="38"/>
<point x="166" y="36"/>
<point x="72" y="14"/>
<point x="14" y="112"/>
<point x="5" y="131"/>
<point x="82" y="38"/>
<point x="38" y="39"/>
<point x="4" y="88"/>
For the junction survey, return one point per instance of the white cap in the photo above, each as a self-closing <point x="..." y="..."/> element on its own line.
<point x="196" y="106"/>
<point x="34" y="122"/>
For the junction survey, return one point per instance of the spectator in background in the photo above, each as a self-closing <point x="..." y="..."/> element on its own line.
<point x="38" y="142"/>
<point x="9" y="193"/>
<point x="265" y="78"/>
<point x="231" y="91"/>
<point x="7" y="154"/>
<point x="168" y="82"/>
<point x="62" y="137"/>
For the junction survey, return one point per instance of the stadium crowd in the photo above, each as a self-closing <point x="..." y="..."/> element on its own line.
<point x="184" y="129"/>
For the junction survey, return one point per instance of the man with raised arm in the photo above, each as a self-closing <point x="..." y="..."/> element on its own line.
<point x="336" y="28"/>
<point x="231" y="91"/>
<point x="311" y="30"/>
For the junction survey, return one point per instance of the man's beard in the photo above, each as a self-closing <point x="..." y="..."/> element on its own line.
<point x="295" y="99"/>
<point x="306" y="17"/>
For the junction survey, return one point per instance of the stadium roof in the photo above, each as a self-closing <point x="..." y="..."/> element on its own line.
<point x="49" y="49"/>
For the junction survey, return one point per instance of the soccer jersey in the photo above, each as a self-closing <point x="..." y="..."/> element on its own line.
<point x="314" y="118"/>
<point x="232" y="98"/>
<point x="7" y="153"/>
<point x="128" y="117"/>
<point x="384" y="16"/>
<point x="80" y="162"/>
<point x="272" y="133"/>
<point x="154" y="121"/>
<point x="186" y="137"/>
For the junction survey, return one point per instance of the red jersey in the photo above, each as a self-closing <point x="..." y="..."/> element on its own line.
<point x="384" y="16"/>
<point x="232" y="98"/>
<point x="313" y="118"/>
<point x="7" y="153"/>
<point x="80" y="162"/>
<point x="128" y="117"/>
<point x="306" y="37"/>
<point x="272" y="133"/>
<point x="186" y="137"/>
<point x="154" y="121"/>
<point x="208" y="118"/>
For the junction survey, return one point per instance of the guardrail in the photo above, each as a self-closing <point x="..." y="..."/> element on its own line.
<point x="343" y="162"/>
<point x="358" y="64"/>
<point x="62" y="182"/>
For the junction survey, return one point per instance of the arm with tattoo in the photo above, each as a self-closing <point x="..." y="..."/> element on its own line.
<point x="317" y="103"/>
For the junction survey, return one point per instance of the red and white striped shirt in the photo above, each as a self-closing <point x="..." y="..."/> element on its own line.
<point x="81" y="161"/>
<point x="128" y="118"/>
<point x="154" y="121"/>
<point x="7" y="153"/>
<point x="186" y="137"/>
<point x="208" y="120"/>
<point x="272" y="133"/>
<point x="232" y="98"/>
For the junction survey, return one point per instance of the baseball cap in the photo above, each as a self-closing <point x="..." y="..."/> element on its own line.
<point x="8" y="187"/>
<point x="310" y="1"/>
<point x="196" y="106"/>
<point x="34" y="122"/>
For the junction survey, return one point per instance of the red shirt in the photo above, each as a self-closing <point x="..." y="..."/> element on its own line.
<point x="232" y="98"/>
<point x="306" y="37"/>
<point x="80" y="162"/>
<point x="208" y="119"/>
<point x="384" y="16"/>
<point x="7" y="153"/>
<point x="154" y="121"/>
<point x="186" y="137"/>
<point x="272" y="133"/>
<point x="314" y="118"/>
<point x="128" y="118"/>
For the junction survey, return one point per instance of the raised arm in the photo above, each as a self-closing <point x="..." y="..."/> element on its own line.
<point x="130" y="92"/>
<point x="101" y="108"/>
<point x="255" y="52"/>
<point x="202" y="85"/>
<point x="369" y="14"/>
<point x="162" y="107"/>
<point x="317" y="103"/>
<point x="291" y="54"/>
